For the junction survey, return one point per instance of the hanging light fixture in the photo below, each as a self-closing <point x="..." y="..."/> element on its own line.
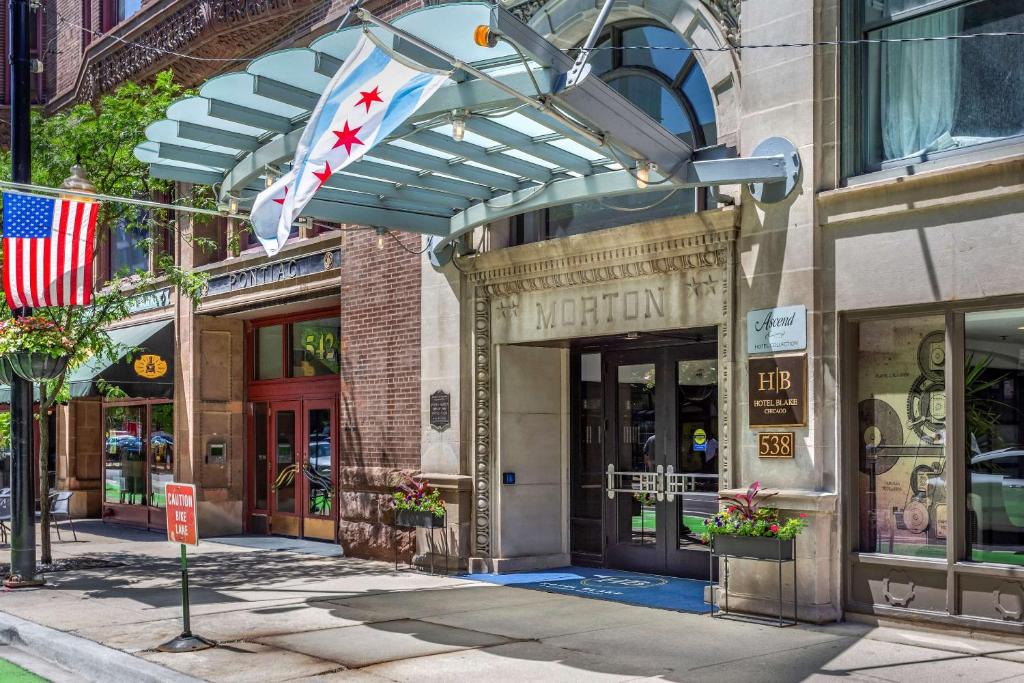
<point x="380" y="237"/>
<point x="643" y="174"/>
<point x="232" y="206"/>
<point x="458" y="125"/>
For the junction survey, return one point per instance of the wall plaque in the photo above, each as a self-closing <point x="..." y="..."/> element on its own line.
<point x="775" y="444"/>
<point x="778" y="391"/>
<point x="774" y="330"/>
<point x="150" y="366"/>
<point x="440" y="410"/>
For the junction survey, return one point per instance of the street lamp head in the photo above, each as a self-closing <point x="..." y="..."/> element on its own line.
<point x="77" y="181"/>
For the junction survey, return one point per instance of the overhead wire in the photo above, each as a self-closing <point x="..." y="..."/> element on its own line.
<point x="723" y="48"/>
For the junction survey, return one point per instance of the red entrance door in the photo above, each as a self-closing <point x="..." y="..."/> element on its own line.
<point x="293" y="468"/>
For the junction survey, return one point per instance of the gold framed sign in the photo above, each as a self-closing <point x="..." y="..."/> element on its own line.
<point x="778" y="391"/>
<point x="776" y="444"/>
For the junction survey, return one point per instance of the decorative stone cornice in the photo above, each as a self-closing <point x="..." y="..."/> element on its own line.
<point x="212" y="29"/>
<point x="727" y="14"/>
<point x="684" y="243"/>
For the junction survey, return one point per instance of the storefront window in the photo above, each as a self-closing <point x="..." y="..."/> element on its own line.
<point x="269" y="351"/>
<point x="125" y="477"/>
<point x="134" y="475"/>
<point x="315" y="347"/>
<point x="902" y="436"/>
<point x="319" y="470"/>
<point x="994" y="434"/>
<point x="930" y="97"/>
<point x="161" y="451"/>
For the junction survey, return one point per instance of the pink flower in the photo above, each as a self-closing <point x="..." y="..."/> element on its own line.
<point x="774" y="528"/>
<point x="803" y="515"/>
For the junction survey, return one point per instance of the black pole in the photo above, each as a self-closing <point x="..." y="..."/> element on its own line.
<point x="23" y="518"/>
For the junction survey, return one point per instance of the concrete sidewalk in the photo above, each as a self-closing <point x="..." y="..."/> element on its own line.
<point x="292" y="615"/>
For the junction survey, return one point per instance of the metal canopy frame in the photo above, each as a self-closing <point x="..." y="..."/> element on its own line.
<point x="530" y="142"/>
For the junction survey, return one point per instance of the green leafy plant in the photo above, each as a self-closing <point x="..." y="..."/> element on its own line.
<point x="34" y="334"/>
<point x="418" y="496"/>
<point x="746" y="516"/>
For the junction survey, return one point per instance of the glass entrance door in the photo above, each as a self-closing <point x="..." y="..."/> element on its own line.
<point x="293" y="466"/>
<point x="661" y="457"/>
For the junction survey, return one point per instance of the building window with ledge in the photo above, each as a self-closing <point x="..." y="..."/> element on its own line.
<point x="129" y="249"/>
<point x="116" y="11"/>
<point x="925" y="99"/>
<point x="667" y="83"/>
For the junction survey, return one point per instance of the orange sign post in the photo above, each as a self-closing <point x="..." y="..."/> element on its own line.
<point x="183" y="528"/>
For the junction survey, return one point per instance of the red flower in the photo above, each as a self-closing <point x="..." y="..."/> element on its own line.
<point x="731" y="509"/>
<point x="803" y="515"/>
<point x="774" y="528"/>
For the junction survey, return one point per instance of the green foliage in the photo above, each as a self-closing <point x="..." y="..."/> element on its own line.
<point x="417" y="495"/>
<point x="101" y="138"/>
<point x="5" y="434"/>
<point x="34" y="334"/>
<point x="746" y="516"/>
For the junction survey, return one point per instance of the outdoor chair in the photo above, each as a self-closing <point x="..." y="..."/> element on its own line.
<point x="5" y="515"/>
<point x="60" y="504"/>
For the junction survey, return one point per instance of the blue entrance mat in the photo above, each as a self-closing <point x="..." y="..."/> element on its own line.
<point x="645" y="590"/>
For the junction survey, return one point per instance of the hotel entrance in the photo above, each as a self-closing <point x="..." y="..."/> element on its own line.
<point x="292" y="458"/>
<point x="645" y="454"/>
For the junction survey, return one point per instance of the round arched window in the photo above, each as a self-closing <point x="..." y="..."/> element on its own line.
<point x="652" y="67"/>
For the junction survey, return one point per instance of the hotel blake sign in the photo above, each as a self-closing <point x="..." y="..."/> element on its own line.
<point x="778" y="391"/>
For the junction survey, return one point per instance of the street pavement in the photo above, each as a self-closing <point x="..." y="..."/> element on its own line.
<point x="293" y="615"/>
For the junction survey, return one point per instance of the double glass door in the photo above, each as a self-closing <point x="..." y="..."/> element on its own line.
<point x="293" y="460"/>
<point x="660" y="457"/>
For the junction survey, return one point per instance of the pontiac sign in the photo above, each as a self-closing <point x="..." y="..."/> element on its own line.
<point x="774" y="330"/>
<point x="275" y="271"/>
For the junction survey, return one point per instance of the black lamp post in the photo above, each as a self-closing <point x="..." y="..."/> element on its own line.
<point x="23" y="518"/>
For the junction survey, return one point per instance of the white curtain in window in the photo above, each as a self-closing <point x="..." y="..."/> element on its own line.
<point x="920" y="82"/>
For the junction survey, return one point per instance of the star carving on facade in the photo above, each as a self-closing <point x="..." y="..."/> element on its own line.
<point x="280" y="200"/>
<point x="510" y="309"/>
<point x="709" y="283"/>
<point x="692" y="286"/>
<point x="369" y="97"/>
<point x="347" y="137"/>
<point x="324" y="174"/>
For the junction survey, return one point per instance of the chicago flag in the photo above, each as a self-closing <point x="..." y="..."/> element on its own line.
<point x="370" y="96"/>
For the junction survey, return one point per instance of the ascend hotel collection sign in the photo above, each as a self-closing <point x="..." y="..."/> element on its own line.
<point x="775" y="330"/>
<point x="615" y="308"/>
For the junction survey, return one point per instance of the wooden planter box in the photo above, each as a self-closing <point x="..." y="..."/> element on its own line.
<point x="753" y="547"/>
<point x="421" y="520"/>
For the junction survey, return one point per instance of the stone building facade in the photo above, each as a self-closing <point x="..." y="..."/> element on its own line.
<point x="605" y="363"/>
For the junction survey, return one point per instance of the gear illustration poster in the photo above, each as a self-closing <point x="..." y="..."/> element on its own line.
<point x="902" y="416"/>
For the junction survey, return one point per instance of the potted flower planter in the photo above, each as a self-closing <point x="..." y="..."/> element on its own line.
<point x="38" y="367"/>
<point x="755" y="547"/>
<point x="417" y="518"/>
<point x="6" y="372"/>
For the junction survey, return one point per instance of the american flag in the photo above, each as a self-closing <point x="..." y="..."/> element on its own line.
<point x="48" y="245"/>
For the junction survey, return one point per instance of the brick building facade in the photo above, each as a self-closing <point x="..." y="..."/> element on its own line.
<point x="351" y="399"/>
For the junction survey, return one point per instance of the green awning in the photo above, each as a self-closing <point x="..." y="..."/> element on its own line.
<point x="140" y="342"/>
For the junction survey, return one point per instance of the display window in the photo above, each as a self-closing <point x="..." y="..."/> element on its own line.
<point x="936" y="503"/>
<point x="138" y="453"/>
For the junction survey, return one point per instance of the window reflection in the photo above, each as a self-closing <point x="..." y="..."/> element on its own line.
<point x="697" y="439"/>
<point x="161" y="451"/>
<point x="284" y="484"/>
<point x="638" y="449"/>
<point x="994" y="435"/>
<point x="319" y="468"/>
<point x="315" y="347"/>
<point x="124" y="459"/>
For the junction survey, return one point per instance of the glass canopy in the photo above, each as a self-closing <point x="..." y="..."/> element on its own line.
<point x="515" y="156"/>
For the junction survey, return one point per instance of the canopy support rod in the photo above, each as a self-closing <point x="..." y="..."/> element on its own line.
<point x="579" y="69"/>
<point x="595" y="138"/>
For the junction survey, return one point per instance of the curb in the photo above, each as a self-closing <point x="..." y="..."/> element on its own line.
<point x="86" y="659"/>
